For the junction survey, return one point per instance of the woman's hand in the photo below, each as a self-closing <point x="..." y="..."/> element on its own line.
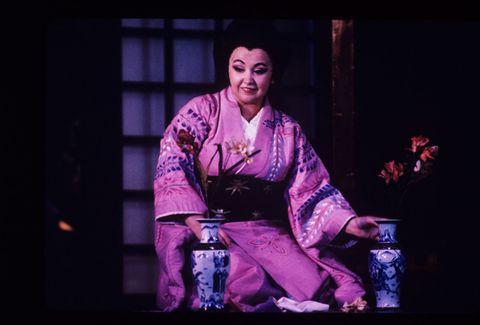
<point x="363" y="227"/>
<point x="195" y="226"/>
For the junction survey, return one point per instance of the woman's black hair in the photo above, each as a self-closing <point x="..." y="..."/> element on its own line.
<point x="251" y="34"/>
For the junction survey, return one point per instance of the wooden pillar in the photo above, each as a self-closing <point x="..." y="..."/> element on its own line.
<point x="343" y="107"/>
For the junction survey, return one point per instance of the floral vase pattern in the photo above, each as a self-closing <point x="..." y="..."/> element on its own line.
<point x="387" y="263"/>
<point x="210" y="262"/>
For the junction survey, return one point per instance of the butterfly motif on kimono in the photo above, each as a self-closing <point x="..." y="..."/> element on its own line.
<point x="272" y="244"/>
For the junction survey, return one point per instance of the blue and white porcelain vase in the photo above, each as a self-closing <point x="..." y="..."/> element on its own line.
<point x="210" y="262"/>
<point x="387" y="263"/>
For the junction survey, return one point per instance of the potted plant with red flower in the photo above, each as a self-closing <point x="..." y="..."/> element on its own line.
<point x="400" y="177"/>
<point x="387" y="259"/>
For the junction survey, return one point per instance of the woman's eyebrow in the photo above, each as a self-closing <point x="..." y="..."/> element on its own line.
<point x="257" y="64"/>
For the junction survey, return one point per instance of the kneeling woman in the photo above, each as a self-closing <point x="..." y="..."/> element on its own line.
<point x="284" y="214"/>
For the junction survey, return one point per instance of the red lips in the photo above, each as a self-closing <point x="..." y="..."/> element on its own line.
<point x="249" y="90"/>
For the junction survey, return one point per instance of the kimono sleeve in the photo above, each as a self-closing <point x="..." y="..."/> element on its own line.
<point x="176" y="187"/>
<point x="317" y="210"/>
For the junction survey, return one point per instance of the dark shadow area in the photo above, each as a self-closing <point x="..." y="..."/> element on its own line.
<point x="421" y="78"/>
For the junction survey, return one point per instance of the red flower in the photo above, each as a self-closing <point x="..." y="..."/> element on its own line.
<point x="419" y="141"/>
<point x="417" y="168"/>
<point x="392" y="171"/>
<point x="385" y="175"/>
<point x="184" y="137"/>
<point x="397" y="172"/>
<point x="427" y="153"/>
<point x="186" y="141"/>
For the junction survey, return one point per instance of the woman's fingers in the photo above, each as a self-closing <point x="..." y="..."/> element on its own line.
<point x="224" y="238"/>
<point x="195" y="226"/>
<point x="363" y="227"/>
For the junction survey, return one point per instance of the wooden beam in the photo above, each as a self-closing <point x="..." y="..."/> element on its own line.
<point x="343" y="107"/>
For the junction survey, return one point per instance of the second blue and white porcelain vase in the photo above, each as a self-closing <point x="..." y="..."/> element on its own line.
<point x="387" y="263"/>
<point x="210" y="262"/>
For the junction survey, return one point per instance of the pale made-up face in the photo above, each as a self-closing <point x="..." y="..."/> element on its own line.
<point x="250" y="74"/>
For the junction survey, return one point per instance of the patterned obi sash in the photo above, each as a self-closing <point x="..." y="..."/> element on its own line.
<point x="248" y="198"/>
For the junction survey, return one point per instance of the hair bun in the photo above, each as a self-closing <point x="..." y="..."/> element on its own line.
<point x="252" y="34"/>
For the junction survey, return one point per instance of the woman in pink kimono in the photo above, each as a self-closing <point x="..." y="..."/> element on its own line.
<point x="284" y="214"/>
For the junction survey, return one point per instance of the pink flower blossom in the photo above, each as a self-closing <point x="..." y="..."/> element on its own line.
<point x="358" y="305"/>
<point x="418" y="166"/>
<point x="243" y="147"/>
<point x="232" y="146"/>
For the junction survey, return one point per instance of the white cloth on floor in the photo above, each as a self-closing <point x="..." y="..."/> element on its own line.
<point x="307" y="306"/>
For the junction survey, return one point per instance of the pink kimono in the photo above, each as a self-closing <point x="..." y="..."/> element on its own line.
<point x="269" y="259"/>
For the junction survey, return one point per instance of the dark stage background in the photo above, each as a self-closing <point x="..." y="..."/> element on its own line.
<point x="411" y="78"/>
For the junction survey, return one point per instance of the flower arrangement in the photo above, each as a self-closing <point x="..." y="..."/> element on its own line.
<point x="185" y="141"/>
<point x="401" y="177"/>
